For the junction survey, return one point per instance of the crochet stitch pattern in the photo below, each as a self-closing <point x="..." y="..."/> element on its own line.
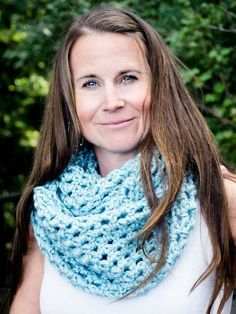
<point x="86" y="225"/>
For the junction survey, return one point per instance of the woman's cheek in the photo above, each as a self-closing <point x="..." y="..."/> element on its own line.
<point x="84" y="107"/>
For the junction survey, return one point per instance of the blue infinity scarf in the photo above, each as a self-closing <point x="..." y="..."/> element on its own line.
<point x="86" y="225"/>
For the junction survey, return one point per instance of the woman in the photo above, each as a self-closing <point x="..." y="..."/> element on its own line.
<point x="126" y="199"/>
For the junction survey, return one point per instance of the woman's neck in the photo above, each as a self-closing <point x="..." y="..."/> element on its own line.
<point x="108" y="161"/>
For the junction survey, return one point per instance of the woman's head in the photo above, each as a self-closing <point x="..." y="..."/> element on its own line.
<point x="100" y="24"/>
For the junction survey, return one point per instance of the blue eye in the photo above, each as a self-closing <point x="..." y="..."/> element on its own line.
<point x="129" y="78"/>
<point x="90" y="84"/>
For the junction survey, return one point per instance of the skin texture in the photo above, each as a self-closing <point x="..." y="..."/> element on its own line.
<point x="26" y="299"/>
<point x="230" y="188"/>
<point x="112" y="94"/>
<point x="112" y="107"/>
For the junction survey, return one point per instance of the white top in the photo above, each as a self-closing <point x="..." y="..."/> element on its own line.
<point x="170" y="296"/>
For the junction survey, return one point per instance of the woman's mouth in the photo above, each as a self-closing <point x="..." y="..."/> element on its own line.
<point x="117" y="123"/>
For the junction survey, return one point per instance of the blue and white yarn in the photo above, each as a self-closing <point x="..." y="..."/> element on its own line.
<point x="86" y="225"/>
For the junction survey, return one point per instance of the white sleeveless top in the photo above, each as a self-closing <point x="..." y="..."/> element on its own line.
<point x="171" y="296"/>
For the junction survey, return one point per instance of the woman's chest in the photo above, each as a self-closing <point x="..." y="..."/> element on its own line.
<point x="171" y="295"/>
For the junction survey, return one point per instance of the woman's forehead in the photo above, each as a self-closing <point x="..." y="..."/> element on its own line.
<point x="97" y="47"/>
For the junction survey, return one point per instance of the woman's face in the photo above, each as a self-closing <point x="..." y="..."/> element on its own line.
<point x="112" y="91"/>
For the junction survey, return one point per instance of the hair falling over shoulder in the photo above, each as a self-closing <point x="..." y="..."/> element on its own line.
<point x="177" y="130"/>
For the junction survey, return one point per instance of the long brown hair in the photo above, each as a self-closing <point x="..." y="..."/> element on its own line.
<point x="177" y="130"/>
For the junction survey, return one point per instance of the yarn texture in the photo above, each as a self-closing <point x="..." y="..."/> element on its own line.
<point x="86" y="224"/>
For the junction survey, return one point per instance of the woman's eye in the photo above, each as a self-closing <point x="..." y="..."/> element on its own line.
<point x="90" y="84"/>
<point x="128" y="79"/>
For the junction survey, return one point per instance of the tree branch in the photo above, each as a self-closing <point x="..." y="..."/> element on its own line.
<point x="229" y="13"/>
<point x="222" y="29"/>
<point x="211" y="112"/>
<point x="9" y="196"/>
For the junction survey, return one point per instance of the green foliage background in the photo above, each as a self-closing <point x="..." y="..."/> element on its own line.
<point x="201" y="33"/>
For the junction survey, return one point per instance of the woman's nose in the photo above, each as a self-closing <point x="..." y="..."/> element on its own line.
<point x="112" y="99"/>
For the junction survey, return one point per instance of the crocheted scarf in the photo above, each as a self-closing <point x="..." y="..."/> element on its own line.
<point x="86" y="225"/>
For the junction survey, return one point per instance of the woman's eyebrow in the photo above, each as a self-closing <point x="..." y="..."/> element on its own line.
<point x="130" y="70"/>
<point x="85" y="77"/>
<point x="90" y="76"/>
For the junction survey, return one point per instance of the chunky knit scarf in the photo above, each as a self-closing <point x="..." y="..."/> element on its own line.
<point x="86" y="225"/>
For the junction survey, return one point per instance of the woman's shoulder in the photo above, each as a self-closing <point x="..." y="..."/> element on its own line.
<point x="230" y="189"/>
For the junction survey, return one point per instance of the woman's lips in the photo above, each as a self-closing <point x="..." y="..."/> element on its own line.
<point x="114" y="123"/>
